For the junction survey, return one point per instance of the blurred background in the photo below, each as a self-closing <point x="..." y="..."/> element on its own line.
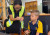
<point x="42" y="5"/>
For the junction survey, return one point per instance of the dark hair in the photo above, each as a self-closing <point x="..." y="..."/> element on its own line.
<point x="17" y="2"/>
<point x="35" y="11"/>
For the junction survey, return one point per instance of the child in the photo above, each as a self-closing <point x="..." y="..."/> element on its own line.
<point x="35" y="26"/>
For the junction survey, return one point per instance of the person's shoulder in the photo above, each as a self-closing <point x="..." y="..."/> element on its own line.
<point x="40" y="22"/>
<point x="30" y="22"/>
<point x="23" y="7"/>
<point x="10" y="5"/>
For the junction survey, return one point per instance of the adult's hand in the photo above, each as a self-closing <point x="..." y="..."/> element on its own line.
<point x="22" y="18"/>
<point x="18" y="18"/>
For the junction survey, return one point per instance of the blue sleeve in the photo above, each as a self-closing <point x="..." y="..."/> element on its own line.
<point x="9" y="11"/>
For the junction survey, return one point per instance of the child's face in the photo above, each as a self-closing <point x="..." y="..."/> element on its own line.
<point x="34" y="16"/>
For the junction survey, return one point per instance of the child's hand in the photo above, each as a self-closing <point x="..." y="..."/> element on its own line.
<point x="49" y="33"/>
<point x="27" y="32"/>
